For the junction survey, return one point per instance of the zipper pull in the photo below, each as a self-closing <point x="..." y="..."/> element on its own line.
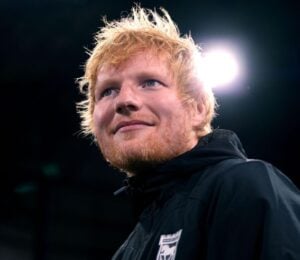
<point x="121" y="190"/>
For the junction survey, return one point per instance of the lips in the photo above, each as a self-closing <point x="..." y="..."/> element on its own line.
<point x="130" y="123"/>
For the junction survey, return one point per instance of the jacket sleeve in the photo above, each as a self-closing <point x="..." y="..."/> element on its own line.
<point x="255" y="215"/>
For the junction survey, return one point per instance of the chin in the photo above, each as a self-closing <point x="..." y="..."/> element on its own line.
<point x="134" y="158"/>
<point x="132" y="153"/>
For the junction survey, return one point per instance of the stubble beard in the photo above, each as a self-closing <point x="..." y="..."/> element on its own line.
<point x="148" y="152"/>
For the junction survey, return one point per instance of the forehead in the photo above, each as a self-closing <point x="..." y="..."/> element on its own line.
<point x="145" y="61"/>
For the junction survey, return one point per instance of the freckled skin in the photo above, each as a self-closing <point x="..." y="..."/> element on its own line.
<point x="142" y="92"/>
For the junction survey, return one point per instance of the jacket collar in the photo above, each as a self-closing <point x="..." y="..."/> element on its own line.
<point x="216" y="146"/>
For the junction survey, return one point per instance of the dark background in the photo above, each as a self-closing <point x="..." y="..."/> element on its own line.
<point x="56" y="194"/>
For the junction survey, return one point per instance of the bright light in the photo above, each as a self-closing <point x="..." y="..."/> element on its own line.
<point x="219" y="68"/>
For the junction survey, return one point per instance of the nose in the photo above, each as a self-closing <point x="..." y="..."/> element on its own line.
<point x="127" y="101"/>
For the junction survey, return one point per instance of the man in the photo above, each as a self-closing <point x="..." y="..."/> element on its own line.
<point x="150" y="114"/>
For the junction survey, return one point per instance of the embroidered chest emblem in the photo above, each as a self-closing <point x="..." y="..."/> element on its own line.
<point x="168" y="246"/>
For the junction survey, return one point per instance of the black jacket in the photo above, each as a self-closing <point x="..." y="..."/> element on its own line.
<point x="213" y="203"/>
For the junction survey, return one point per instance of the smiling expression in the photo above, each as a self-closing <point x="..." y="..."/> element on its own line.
<point x="139" y="116"/>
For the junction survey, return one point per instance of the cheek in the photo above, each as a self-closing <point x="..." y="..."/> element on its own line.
<point x="172" y="110"/>
<point x="102" y="117"/>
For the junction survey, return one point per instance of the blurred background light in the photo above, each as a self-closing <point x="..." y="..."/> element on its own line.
<point x="219" y="68"/>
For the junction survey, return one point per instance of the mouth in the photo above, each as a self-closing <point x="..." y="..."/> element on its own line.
<point x="131" y="125"/>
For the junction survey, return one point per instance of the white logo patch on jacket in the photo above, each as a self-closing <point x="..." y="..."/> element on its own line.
<point x="168" y="246"/>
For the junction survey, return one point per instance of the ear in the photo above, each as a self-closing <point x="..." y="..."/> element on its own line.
<point x="198" y="115"/>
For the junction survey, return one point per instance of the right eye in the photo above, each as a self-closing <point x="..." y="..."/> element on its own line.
<point x="108" y="92"/>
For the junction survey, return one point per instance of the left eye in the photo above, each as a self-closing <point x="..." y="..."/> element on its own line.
<point x="150" y="83"/>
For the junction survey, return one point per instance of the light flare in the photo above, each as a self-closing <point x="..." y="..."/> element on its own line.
<point x="218" y="68"/>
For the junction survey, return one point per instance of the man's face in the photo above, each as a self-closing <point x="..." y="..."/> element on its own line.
<point x="139" y="117"/>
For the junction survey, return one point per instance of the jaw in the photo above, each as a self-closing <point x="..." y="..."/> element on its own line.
<point x="141" y="152"/>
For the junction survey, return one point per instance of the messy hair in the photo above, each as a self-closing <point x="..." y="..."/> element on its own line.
<point x="143" y="30"/>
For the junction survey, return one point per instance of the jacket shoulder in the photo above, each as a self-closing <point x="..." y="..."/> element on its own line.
<point x="259" y="177"/>
<point x="256" y="199"/>
<point x="247" y="178"/>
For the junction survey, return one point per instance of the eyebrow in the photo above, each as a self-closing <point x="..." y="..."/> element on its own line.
<point x="139" y="75"/>
<point x="105" y="82"/>
<point x="151" y="74"/>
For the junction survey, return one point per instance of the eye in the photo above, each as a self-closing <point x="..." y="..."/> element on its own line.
<point x="108" y="92"/>
<point x="151" y="83"/>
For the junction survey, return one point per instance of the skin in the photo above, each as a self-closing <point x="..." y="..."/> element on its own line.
<point x="139" y="116"/>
